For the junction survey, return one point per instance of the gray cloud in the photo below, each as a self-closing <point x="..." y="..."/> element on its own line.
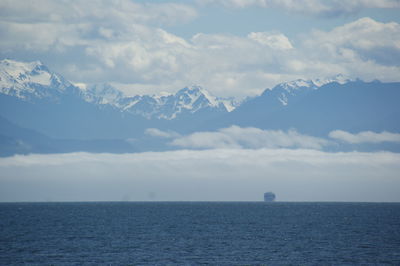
<point x="219" y="174"/>
<point x="365" y="137"/>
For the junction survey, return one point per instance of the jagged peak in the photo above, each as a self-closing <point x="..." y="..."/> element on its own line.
<point x="284" y="91"/>
<point x="339" y="78"/>
<point x="191" y="90"/>
<point x="29" y="80"/>
<point x="298" y="83"/>
<point x="20" y="66"/>
<point x="313" y="83"/>
<point x="101" y="93"/>
<point x="197" y="91"/>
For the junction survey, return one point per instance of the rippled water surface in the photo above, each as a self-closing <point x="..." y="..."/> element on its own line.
<point x="199" y="233"/>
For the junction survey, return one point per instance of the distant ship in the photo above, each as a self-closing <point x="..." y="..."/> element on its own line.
<point x="269" y="197"/>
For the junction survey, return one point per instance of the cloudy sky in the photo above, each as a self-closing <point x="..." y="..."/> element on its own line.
<point x="230" y="47"/>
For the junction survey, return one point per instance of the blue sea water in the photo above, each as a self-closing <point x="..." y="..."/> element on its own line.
<point x="192" y="233"/>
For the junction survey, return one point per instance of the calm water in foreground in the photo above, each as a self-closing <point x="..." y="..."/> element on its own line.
<point x="199" y="233"/>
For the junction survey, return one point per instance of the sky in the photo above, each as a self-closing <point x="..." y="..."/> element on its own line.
<point x="230" y="47"/>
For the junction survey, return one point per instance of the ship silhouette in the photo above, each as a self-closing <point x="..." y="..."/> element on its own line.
<point x="269" y="197"/>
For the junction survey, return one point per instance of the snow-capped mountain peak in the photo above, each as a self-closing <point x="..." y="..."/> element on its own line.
<point x="312" y="83"/>
<point x="287" y="90"/>
<point x="190" y="100"/>
<point x="195" y="92"/>
<point x="339" y="78"/>
<point x="229" y="103"/>
<point x="102" y="93"/>
<point x="27" y="80"/>
<point x="16" y="67"/>
<point x="31" y="81"/>
<point x="193" y="96"/>
<point x="296" y="84"/>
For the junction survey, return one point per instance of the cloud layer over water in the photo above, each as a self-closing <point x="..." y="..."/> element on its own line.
<point x="218" y="174"/>
<point x="256" y="138"/>
<point x="365" y="137"/>
<point x="250" y="137"/>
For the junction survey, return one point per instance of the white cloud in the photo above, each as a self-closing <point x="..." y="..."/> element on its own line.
<point x="45" y="24"/>
<point x="102" y="12"/>
<point x="235" y="3"/>
<point x="154" y="132"/>
<point x="151" y="54"/>
<point x="275" y="41"/>
<point x="361" y="40"/>
<point x="95" y="39"/>
<point x="236" y="137"/>
<point x="222" y="174"/>
<point x="237" y="66"/>
<point x="253" y="138"/>
<point x="365" y="48"/>
<point x="122" y="42"/>
<point x="365" y="137"/>
<point x="330" y="8"/>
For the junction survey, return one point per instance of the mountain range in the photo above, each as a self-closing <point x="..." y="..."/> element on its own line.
<point x="40" y="111"/>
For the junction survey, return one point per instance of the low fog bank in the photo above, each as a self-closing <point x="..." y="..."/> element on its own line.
<point x="206" y="175"/>
<point x="236" y="137"/>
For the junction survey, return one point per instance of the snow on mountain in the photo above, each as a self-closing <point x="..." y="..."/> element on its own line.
<point x="29" y="80"/>
<point x="339" y="78"/>
<point x="287" y="90"/>
<point x="187" y="100"/>
<point x="230" y="103"/>
<point x="33" y="80"/>
<point x="312" y="83"/>
<point x="165" y="106"/>
<point x="194" y="98"/>
<point x="102" y="94"/>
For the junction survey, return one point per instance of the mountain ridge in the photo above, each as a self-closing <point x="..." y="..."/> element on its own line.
<point x="99" y="116"/>
<point x="30" y="80"/>
<point x="33" y="81"/>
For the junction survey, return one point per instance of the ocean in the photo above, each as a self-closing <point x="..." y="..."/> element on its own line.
<point x="194" y="233"/>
